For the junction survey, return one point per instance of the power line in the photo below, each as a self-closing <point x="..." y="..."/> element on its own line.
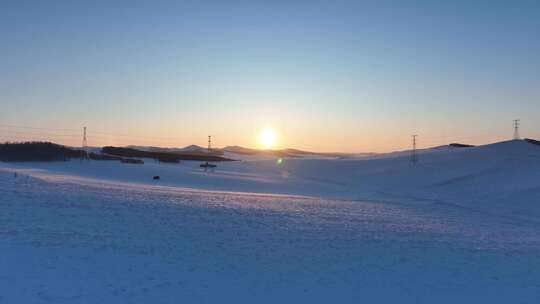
<point x="76" y="131"/>
<point x="135" y="136"/>
<point x="18" y="131"/>
<point x="35" y="128"/>
<point x="27" y="133"/>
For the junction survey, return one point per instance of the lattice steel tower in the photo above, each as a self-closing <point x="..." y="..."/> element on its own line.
<point x="516" y="129"/>
<point x="414" y="156"/>
<point x="84" y="154"/>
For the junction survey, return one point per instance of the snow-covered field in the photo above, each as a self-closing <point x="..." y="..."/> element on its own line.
<point x="461" y="226"/>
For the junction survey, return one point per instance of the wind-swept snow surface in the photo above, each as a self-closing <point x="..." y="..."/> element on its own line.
<point x="500" y="178"/>
<point x="441" y="232"/>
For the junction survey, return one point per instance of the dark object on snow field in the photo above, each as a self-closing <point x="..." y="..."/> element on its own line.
<point x="169" y="159"/>
<point x="131" y="161"/>
<point x="208" y="166"/>
<point x="95" y="156"/>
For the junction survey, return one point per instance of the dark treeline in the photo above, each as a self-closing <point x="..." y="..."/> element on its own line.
<point x="456" y="145"/>
<point x="161" y="156"/>
<point x="95" y="156"/>
<point x="533" y="141"/>
<point x="47" y="151"/>
<point x="36" y="151"/>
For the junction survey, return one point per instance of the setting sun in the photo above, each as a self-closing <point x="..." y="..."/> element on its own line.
<point x="267" y="138"/>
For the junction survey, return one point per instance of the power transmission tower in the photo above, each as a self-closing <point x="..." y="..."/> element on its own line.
<point x="84" y="154"/>
<point x="516" y="129"/>
<point x="206" y="165"/>
<point x="414" y="156"/>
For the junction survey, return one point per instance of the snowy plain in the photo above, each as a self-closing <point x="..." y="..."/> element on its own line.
<point x="461" y="226"/>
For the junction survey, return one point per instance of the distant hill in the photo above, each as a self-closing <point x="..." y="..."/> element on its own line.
<point x="191" y="149"/>
<point x="198" y="150"/>
<point x="249" y="151"/>
<point x="279" y="153"/>
<point x="240" y="150"/>
<point x="194" y="148"/>
<point x="286" y="153"/>
<point x="296" y="153"/>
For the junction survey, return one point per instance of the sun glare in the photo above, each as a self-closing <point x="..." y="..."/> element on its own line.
<point x="267" y="138"/>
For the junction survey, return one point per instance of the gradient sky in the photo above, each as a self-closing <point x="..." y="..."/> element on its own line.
<point x="347" y="76"/>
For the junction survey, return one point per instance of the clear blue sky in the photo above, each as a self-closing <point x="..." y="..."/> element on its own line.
<point x="326" y="75"/>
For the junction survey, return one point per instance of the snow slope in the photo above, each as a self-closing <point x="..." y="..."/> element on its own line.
<point x="72" y="242"/>
<point x="461" y="226"/>
<point x="498" y="178"/>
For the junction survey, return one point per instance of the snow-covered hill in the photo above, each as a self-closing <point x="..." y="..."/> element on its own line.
<point x="497" y="177"/>
<point x="459" y="227"/>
